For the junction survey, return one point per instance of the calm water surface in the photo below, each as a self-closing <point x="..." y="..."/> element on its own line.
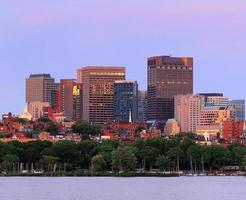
<point x="184" y="188"/>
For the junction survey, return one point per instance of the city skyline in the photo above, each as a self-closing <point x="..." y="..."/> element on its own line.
<point x="46" y="38"/>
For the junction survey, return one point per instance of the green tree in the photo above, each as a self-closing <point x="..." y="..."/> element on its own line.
<point x="87" y="149"/>
<point x="124" y="159"/>
<point x="237" y="154"/>
<point x="98" y="163"/>
<point x="8" y="161"/>
<point x="86" y="129"/>
<point x="243" y="163"/>
<point x="194" y="155"/>
<point x="149" y="155"/>
<point x="160" y="144"/>
<point x="67" y="153"/>
<point x="52" y="129"/>
<point x="164" y="163"/>
<point x="216" y="156"/>
<point x="49" y="162"/>
<point x="44" y="119"/>
<point x="186" y="143"/>
<point x="177" y="155"/>
<point x="105" y="149"/>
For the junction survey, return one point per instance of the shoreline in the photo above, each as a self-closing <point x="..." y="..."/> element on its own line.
<point x="119" y="175"/>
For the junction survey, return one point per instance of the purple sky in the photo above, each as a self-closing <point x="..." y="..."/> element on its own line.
<point x="58" y="36"/>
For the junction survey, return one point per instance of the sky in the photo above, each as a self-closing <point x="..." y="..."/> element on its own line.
<point x="59" y="36"/>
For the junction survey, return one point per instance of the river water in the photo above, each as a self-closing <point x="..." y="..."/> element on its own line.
<point x="83" y="188"/>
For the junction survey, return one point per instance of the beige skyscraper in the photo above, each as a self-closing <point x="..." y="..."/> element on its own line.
<point x="97" y="86"/>
<point x="39" y="88"/>
<point x="188" y="111"/>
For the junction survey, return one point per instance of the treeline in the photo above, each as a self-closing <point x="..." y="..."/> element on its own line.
<point x="111" y="156"/>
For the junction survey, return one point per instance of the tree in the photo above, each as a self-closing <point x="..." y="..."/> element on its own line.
<point x="52" y="129"/>
<point x="124" y="159"/>
<point x="149" y="155"/>
<point x="243" y="163"/>
<point x="105" y="149"/>
<point x="237" y="154"/>
<point x="67" y="152"/>
<point x="86" y="129"/>
<point x="164" y="163"/>
<point x="44" y="119"/>
<point x="49" y="162"/>
<point x="87" y="149"/>
<point x="8" y="161"/>
<point x="186" y="143"/>
<point x="97" y="163"/>
<point x="160" y="144"/>
<point x="215" y="156"/>
<point x="177" y="155"/>
<point x="194" y="155"/>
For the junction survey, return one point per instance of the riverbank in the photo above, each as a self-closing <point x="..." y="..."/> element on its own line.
<point x="99" y="174"/>
<point x="110" y="174"/>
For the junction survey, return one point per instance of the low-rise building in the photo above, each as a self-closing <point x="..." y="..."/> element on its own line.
<point x="171" y="128"/>
<point x="209" y="131"/>
<point x="232" y="129"/>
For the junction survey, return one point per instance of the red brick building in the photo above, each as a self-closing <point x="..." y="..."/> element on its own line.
<point x="232" y="129"/>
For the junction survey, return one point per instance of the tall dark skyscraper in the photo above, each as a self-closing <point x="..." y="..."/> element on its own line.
<point x="142" y="105"/>
<point x="66" y="95"/>
<point x="125" y="101"/>
<point x="167" y="77"/>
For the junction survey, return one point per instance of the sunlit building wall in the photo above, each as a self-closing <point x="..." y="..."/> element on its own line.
<point x="188" y="111"/>
<point x="97" y="86"/>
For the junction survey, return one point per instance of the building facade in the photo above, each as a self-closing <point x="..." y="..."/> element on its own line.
<point x="39" y="88"/>
<point x="171" y="128"/>
<point x="167" y="77"/>
<point x="77" y="101"/>
<point x="238" y="107"/>
<point x="212" y="115"/>
<point x="217" y="101"/>
<point x="188" y="111"/>
<point x="36" y="109"/>
<point x="232" y="129"/>
<point x="125" y="101"/>
<point x="142" y="105"/>
<point x="207" y="95"/>
<point x="66" y="90"/>
<point x="97" y="85"/>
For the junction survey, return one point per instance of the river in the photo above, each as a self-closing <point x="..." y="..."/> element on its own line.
<point x="83" y="188"/>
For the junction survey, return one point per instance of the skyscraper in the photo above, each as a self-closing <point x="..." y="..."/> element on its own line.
<point x="167" y="77"/>
<point x="39" y="88"/>
<point x="142" y="105"/>
<point x="188" y="111"/>
<point x="77" y="101"/>
<point x="238" y="109"/>
<point x="125" y="101"/>
<point x="97" y="85"/>
<point x="66" y="95"/>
